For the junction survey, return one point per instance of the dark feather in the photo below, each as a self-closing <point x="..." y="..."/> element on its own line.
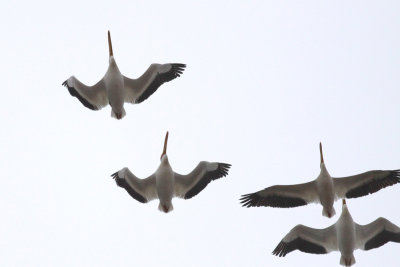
<point x="375" y="185"/>
<point x="255" y="200"/>
<point x="175" y="71"/>
<point x="284" y="248"/>
<point x="221" y="171"/>
<point x="122" y="183"/>
<point x="381" y="239"/>
<point x="75" y="93"/>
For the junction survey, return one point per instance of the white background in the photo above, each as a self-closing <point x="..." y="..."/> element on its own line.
<point x="265" y="82"/>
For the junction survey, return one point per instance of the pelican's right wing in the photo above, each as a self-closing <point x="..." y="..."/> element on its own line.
<point x="138" y="90"/>
<point x="143" y="190"/>
<point x="309" y="240"/>
<point x="376" y="234"/>
<point x="365" y="183"/>
<point x="187" y="186"/>
<point x="93" y="97"/>
<point x="282" y="196"/>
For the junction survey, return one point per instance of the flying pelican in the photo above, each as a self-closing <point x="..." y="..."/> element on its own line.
<point x="164" y="184"/>
<point x="345" y="235"/>
<point x="325" y="190"/>
<point x="115" y="88"/>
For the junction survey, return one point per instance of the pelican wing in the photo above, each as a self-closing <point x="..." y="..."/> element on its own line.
<point x="187" y="186"/>
<point x="282" y="196"/>
<point x="376" y="234"/>
<point x="138" y="90"/>
<point x="93" y="97"/>
<point x="365" y="183"/>
<point x="309" y="240"/>
<point x="143" y="190"/>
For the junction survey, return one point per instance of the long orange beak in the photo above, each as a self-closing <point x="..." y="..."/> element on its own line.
<point x="165" y="146"/>
<point x="110" y="44"/>
<point x="320" y="152"/>
<point x="344" y="201"/>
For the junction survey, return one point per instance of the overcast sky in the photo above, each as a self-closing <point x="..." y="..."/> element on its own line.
<point x="265" y="82"/>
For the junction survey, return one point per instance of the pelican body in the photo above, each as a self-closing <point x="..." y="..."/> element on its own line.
<point x="165" y="181"/>
<point x="114" y="84"/>
<point x="165" y="184"/>
<point x="324" y="190"/>
<point x="344" y="236"/>
<point x="116" y="89"/>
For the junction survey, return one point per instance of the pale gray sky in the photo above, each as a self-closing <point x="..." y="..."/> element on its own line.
<point x="265" y="82"/>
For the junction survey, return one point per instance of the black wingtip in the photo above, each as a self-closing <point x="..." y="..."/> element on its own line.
<point x="114" y="175"/>
<point x="224" y="169"/>
<point x="280" y="250"/>
<point x="246" y="200"/>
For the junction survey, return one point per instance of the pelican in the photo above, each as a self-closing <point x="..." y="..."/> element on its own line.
<point x="345" y="235"/>
<point x="115" y="88"/>
<point x="164" y="184"/>
<point x="325" y="190"/>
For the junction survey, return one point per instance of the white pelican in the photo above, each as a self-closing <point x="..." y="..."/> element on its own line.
<point x="345" y="235"/>
<point x="164" y="184"/>
<point x="115" y="88"/>
<point x="325" y="190"/>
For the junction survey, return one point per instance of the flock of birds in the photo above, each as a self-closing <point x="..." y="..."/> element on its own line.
<point x="345" y="235"/>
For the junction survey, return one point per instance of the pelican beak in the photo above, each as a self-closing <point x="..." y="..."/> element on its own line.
<point x="165" y="146"/>
<point x="110" y="44"/>
<point x="320" y="152"/>
<point x="344" y="201"/>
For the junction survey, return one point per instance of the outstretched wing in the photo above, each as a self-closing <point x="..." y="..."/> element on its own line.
<point x="93" y="97"/>
<point x="282" y="196"/>
<point x="138" y="90"/>
<point x="143" y="190"/>
<point x="365" y="183"/>
<point x="187" y="186"/>
<point x="376" y="234"/>
<point x="309" y="240"/>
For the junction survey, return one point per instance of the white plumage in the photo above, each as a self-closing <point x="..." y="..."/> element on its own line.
<point x="165" y="184"/>
<point x="116" y="89"/>
<point x="325" y="190"/>
<point x="345" y="236"/>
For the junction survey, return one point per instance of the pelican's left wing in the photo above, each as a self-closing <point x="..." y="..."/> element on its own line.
<point x="282" y="196"/>
<point x="309" y="240"/>
<point x="138" y="90"/>
<point x="187" y="186"/>
<point x="93" y="97"/>
<point x="376" y="234"/>
<point x="365" y="183"/>
<point x="143" y="190"/>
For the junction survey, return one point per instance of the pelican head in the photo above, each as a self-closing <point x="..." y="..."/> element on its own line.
<point x="165" y="146"/>
<point x="111" y="55"/>
<point x="322" y="156"/>
<point x="345" y="210"/>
